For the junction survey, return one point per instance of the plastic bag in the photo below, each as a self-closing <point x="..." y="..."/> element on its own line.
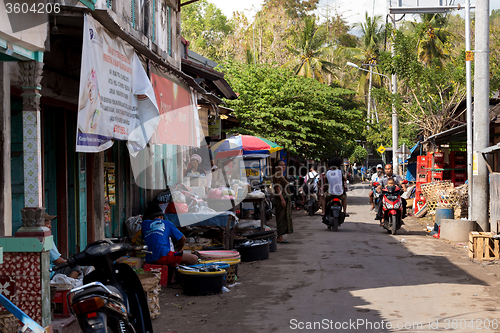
<point x="164" y="197"/>
<point x="133" y="224"/>
<point x="178" y="197"/>
<point x="177" y="208"/>
<point x="61" y="279"/>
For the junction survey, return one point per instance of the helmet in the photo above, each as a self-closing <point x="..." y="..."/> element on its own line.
<point x="379" y="166"/>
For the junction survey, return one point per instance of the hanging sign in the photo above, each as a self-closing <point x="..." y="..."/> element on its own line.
<point x="214" y="131"/>
<point x="116" y="99"/>
<point x="179" y="119"/>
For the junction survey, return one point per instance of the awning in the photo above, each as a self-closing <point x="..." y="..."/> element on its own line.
<point x="455" y="134"/>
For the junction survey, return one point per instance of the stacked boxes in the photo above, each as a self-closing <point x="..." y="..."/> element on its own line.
<point x="437" y="163"/>
<point x="422" y="178"/>
<point x="458" y="161"/>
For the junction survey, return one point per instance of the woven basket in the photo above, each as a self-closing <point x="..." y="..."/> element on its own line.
<point x="8" y="323"/>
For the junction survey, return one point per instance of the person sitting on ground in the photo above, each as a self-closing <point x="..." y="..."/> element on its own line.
<point x="55" y="256"/>
<point x="336" y="184"/>
<point x="158" y="234"/>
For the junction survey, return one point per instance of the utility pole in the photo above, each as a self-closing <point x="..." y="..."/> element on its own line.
<point x="369" y="98"/>
<point x="480" y="191"/>
<point x="395" y="145"/>
<point x="469" y="106"/>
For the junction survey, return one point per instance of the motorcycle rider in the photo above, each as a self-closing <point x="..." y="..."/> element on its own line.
<point x="336" y="184"/>
<point x="375" y="179"/>
<point x="310" y="182"/>
<point x="383" y="183"/>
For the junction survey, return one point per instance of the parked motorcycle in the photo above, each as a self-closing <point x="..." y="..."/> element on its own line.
<point x="112" y="298"/>
<point x="296" y="196"/>
<point x="392" y="208"/>
<point x="268" y="209"/>
<point x="334" y="215"/>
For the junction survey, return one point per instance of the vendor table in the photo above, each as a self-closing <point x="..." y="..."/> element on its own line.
<point x="218" y="204"/>
<point x="262" y="204"/>
<point x="223" y="220"/>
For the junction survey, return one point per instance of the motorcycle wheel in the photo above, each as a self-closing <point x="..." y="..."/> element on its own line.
<point x="394" y="224"/>
<point x="335" y="224"/>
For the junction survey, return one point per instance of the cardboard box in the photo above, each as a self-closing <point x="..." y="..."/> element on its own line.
<point x="199" y="182"/>
<point x="199" y="191"/>
<point x="134" y="262"/>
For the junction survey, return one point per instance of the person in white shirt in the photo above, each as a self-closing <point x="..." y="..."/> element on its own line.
<point x="375" y="179"/>
<point x="336" y="184"/>
<point x="310" y="182"/>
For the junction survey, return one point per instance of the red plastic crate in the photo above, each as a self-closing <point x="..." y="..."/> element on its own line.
<point x="163" y="269"/>
<point x="61" y="298"/>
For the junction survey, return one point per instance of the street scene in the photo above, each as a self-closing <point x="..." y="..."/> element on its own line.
<point x="249" y="166"/>
<point x="360" y="279"/>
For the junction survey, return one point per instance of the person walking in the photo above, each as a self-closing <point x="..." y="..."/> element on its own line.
<point x="282" y="202"/>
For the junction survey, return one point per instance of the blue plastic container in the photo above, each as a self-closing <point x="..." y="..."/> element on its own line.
<point x="444" y="213"/>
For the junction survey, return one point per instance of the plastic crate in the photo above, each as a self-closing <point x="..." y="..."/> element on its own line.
<point x="163" y="269"/>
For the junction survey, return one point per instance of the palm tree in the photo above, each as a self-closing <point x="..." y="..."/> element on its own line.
<point x="310" y="51"/>
<point x="432" y="38"/>
<point x="372" y="32"/>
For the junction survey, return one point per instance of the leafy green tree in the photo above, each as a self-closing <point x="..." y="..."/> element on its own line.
<point x="206" y="27"/>
<point x="304" y="116"/>
<point x="359" y="155"/>
<point x="310" y="51"/>
<point x="432" y="92"/>
<point x="295" y="8"/>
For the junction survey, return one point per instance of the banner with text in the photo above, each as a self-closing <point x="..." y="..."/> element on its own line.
<point x="116" y="99"/>
<point x="179" y="119"/>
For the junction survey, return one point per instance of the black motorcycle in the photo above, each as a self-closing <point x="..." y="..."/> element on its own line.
<point x="112" y="298"/>
<point x="293" y="190"/>
<point x="334" y="215"/>
<point x="268" y="209"/>
<point x="312" y="204"/>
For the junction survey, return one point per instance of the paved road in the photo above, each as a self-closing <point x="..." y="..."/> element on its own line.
<point x="360" y="279"/>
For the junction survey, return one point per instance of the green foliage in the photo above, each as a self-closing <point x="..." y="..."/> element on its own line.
<point x="309" y="51"/>
<point x="359" y="155"/>
<point x="304" y="116"/>
<point x="205" y="27"/>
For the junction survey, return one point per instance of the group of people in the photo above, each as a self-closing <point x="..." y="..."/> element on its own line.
<point x="380" y="180"/>
<point x="331" y="183"/>
<point x="165" y="241"/>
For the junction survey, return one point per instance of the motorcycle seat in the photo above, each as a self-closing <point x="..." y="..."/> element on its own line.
<point x="95" y="290"/>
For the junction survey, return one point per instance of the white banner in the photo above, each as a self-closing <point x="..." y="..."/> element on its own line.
<point x="116" y="99"/>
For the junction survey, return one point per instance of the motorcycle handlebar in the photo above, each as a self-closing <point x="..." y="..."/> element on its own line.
<point x="55" y="268"/>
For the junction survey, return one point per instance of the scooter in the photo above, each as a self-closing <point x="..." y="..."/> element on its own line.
<point x="312" y="205"/>
<point x="112" y="298"/>
<point x="334" y="215"/>
<point x="293" y="189"/>
<point x="392" y="208"/>
<point x="268" y="209"/>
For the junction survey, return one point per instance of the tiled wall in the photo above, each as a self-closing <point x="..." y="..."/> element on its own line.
<point x="21" y="282"/>
<point x="32" y="159"/>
